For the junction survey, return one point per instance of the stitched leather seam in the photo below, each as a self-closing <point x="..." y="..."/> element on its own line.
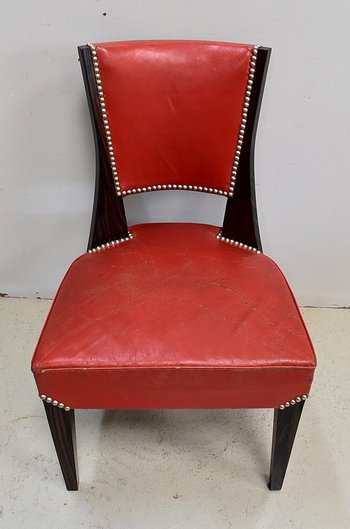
<point x="41" y="371"/>
<point x="297" y="307"/>
<point x="180" y="187"/>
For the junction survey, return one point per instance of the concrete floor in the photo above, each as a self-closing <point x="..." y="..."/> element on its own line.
<point x="174" y="469"/>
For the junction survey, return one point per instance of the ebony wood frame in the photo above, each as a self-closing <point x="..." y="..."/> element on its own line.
<point x="241" y="219"/>
<point x="108" y="216"/>
<point x="62" y="427"/>
<point x="240" y="223"/>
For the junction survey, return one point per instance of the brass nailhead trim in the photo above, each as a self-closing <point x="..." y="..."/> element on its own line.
<point x="50" y="400"/>
<point x="164" y="187"/>
<point x="248" y="92"/>
<point x="111" y="244"/>
<point x="292" y="402"/>
<point x="236" y="243"/>
<point x="105" y="119"/>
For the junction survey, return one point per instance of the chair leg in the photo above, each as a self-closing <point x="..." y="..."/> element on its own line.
<point x="284" y="429"/>
<point x="62" y="426"/>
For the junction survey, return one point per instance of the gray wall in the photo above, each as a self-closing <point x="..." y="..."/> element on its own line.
<point x="302" y="156"/>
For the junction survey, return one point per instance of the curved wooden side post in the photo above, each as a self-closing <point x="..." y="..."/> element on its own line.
<point x="285" y="427"/>
<point x="108" y="218"/>
<point x="241" y="220"/>
<point x="62" y="427"/>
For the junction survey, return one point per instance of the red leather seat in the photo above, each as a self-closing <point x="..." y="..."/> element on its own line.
<point x="174" y="318"/>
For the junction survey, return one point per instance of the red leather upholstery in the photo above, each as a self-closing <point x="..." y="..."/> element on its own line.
<point x="174" y="318"/>
<point x="174" y="110"/>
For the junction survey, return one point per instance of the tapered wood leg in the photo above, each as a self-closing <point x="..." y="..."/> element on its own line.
<point x="62" y="426"/>
<point x="284" y="429"/>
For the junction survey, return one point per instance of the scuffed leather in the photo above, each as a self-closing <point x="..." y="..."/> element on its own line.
<point x="174" y="318"/>
<point x="174" y="109"/>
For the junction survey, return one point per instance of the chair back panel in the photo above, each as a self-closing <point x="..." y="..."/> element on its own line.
<point x="174" y="112"/>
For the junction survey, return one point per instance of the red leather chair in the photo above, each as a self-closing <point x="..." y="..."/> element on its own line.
<point x="174" y="315"/>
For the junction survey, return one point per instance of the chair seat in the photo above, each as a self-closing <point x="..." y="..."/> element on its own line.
<point x="174" y="318"/>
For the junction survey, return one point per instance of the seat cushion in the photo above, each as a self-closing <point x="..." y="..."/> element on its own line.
<point x="174" y="318"/>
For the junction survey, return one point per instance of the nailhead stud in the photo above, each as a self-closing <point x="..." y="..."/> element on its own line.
<point x="111" y="244"/>
<point x="292" y="402"/>
<point x="236" y="243"/>
<point x="54" y="402"/>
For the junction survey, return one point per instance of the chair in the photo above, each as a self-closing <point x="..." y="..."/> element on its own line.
<point x="174" y="315"/>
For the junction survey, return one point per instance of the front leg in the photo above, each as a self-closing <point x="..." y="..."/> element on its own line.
<point x="62" y="426"/>
<point x="284" y="429"/>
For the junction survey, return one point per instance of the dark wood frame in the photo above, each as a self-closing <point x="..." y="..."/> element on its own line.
<point x="240" y="223"/>
<point x="108" y="216"/>
<point x="241" y="219"/>
<point x="62" y="427"/>
<point x="285" y="427"/>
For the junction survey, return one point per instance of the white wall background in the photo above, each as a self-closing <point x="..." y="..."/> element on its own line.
<point x="302" y="157"/>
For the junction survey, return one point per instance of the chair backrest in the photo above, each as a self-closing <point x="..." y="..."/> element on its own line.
<point x="171" y="115"/>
